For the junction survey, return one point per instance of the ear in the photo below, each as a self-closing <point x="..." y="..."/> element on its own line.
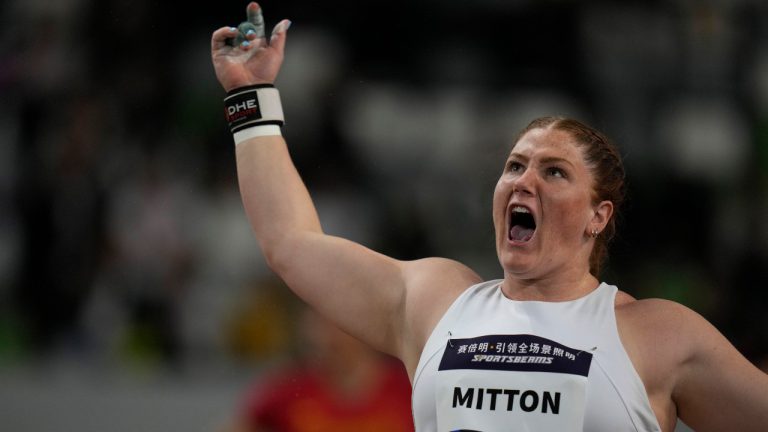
<point x="602" y="214"/>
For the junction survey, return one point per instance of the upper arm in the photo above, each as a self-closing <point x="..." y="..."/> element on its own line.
<point x="717" y="388"/>
<point x="367" y="294"/>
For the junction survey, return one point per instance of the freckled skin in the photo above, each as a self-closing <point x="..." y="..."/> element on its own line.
<point x="562" y="203"/>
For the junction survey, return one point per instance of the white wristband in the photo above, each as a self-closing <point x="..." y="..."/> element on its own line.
<point x="256" y="131"/>
<point x="253" y="111"/>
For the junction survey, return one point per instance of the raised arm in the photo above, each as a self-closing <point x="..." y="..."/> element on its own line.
<point x="369" y="295"/>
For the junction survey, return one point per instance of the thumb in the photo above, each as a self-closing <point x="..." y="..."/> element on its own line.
<point x="277" y="40"/>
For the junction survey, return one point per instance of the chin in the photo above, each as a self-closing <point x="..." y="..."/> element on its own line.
<point x="515" y="266"/>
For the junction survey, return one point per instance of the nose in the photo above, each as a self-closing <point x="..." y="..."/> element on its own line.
<point x="525" y="183"/>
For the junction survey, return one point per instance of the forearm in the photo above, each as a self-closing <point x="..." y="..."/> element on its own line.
<point x="276" y="201"/>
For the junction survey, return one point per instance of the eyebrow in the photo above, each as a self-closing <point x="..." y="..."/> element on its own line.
<point x="545" y="160"/>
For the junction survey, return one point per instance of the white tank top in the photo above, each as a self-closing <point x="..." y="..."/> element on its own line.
<point x="496" y="365"/>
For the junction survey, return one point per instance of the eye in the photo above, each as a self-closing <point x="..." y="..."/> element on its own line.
<point x="556" y="172"/>
<point x="514" y="166"/>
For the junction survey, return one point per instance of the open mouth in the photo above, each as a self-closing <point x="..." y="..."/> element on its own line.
<point x="521" y="224"/>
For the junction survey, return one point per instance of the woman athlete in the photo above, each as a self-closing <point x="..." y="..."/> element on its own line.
<point x="548" y="347"/>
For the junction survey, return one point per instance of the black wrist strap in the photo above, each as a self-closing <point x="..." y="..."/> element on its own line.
<point x="253" y="105"/>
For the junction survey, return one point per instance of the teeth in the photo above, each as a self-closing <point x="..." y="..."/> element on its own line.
<point x="520" y="209"/>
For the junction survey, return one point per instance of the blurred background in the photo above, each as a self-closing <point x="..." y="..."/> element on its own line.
<point x="133" y="295"/>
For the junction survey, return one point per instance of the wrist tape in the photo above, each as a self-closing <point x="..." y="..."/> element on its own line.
<point x="254" y="105"/>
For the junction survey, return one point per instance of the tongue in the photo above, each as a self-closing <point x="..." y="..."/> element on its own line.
<point x="521" y="233"/>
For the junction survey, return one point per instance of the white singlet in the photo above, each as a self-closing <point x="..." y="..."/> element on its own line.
<point x="497" y="365"/>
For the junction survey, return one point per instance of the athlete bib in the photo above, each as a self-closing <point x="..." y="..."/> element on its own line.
<point x="505" y="383"/>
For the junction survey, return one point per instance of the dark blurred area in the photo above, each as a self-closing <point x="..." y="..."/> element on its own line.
<point x="125" y="254"/>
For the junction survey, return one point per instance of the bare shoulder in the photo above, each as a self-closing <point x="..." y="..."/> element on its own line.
<point x="654" y="320"/>
<point x="439" y="269"/>
<point x="689" y="369"/>
<point x="659" y="334"/>
<point x="432" y="285"/>
<point x="658" y="316"/>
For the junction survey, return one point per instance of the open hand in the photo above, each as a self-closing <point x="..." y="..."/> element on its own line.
<point x="244" y="55"/>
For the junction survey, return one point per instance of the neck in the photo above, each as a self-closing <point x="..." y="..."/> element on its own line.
<point x="550" y="288"/>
